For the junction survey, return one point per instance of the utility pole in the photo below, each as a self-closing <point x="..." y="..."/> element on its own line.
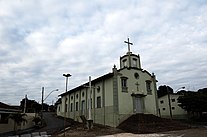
<point x="89" y="121"/>
<point x="89" y="105"/>
<point x="42" y="103"/>
<point x="170" y="110"/>
<point x="25" y="103"/>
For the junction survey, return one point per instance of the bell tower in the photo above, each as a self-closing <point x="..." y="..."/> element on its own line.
<point x="130" y="60"/>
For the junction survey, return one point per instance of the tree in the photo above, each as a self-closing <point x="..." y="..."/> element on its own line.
<point x="162" y="90"/>
<point x="203" y="91"/>
<point x="18" y="118"/>
<point x="31" y="106"/>
<point x="194" y="102"/>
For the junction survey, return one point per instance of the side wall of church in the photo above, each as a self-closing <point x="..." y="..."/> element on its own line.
<point x="77" y="103"/>
<point x="104" y="114"/>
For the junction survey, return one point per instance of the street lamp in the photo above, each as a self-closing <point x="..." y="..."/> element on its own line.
<point x="49" y="94"/>
<point x="179" y="89"/>
<point x="66" y="88"/>
<point x="45" y="99"/>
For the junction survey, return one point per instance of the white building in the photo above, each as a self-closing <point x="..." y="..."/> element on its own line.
<point x="164" y="107"/>
<point x="115" y="96"/>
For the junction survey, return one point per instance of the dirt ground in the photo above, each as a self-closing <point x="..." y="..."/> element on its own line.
<point x="113" y="132"/>
<point x="97" y="130"/>
<point x="138" y="126"/>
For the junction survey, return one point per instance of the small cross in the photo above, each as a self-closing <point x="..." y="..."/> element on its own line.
<point x="137" y="86"/>
<point x="129" y="43"/>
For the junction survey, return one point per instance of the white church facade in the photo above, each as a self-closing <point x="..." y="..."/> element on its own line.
<point x="114" y="96"/>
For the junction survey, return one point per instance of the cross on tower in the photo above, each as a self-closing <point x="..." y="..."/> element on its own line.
<point x="129" y="43"/>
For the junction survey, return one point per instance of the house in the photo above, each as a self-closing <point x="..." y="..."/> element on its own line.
<point x="114" y="96"/>
<point x="166" y="102"/>
<point x="6" y="125"/>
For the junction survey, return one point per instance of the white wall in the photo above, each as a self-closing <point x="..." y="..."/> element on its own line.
<point x="10" y="125"/>
<point x="177" y="112"/>
<point x="125" y="99"/>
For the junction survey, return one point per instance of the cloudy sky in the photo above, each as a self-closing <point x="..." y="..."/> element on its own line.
<point x="42" y="39"/>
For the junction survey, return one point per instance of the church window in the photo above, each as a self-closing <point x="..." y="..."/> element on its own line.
<point x="71" y="107"/>
<point x="77" y="96"/>
<point x="134" y="62"/>
<point x="173" y="108"/>
<point x="161" y="102"/>
<point x="148" y="86"/>
<point x="125" y="63"/>
<point x="83" y="107"/>
<point x="91" y="103"/>
<point x="163" y="109"/>
<point x="173" y="100"/>
<point x="76" y="106"/>
<point x="124" y="84"/>
<point x="71" y="97"/>
<point x="98" y="89"/>
<point x="66" y="100"/>
<point x="66" y="105"/>
<point x="98" y="102"/>
<point x="136" y="75"/>
<point x="83" y="94"/>
<point x="83" y="104"/>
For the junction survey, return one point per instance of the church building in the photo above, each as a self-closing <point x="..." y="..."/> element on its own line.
<point x="114" y="96"/>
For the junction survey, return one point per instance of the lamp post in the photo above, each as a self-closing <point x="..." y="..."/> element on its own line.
<point x="168" y="95"/>
<point x="45" y="99"/>
<point x="66" y="88"/>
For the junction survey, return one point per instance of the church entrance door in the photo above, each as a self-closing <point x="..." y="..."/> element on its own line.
<point x="139" y="104"/>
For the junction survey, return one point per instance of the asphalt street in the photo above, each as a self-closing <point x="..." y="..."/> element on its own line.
<point x="53" y="123"/>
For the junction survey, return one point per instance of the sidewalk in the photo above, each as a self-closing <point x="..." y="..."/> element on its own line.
<point x="34" y="134"/>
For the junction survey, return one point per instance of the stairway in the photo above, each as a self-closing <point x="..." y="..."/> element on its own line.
<point x="148" y="123"/>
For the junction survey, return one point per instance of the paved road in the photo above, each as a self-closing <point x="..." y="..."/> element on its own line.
<point x="54" y="124"/>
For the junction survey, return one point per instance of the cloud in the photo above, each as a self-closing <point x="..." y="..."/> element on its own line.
<point x="41" y="40"/>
